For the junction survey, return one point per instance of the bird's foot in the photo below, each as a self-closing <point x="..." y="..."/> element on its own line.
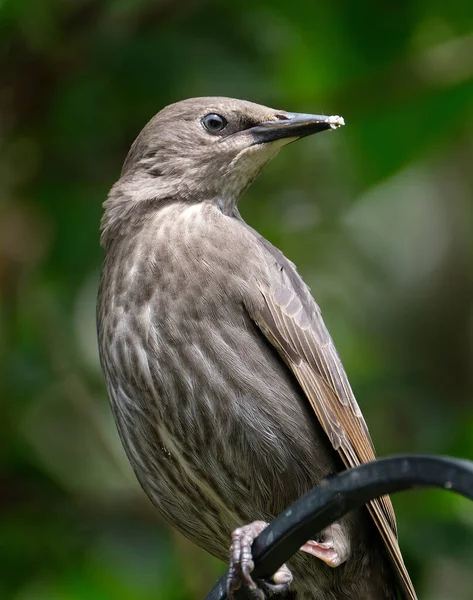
<point x="241" y="566"/>
<point x="333" y="547"/>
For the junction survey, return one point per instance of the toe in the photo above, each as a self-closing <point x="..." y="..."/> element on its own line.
<point x="333" y="548"/>
<point x="242" y="565"/>
<point x="283" y="576"/>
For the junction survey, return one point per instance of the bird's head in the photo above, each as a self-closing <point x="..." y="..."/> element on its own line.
<point x="208" y="149"/>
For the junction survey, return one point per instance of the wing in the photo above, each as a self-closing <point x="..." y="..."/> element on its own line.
<point x="291" y="320"/>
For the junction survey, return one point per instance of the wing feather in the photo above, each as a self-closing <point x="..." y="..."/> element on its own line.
<point x="291" y="320"/>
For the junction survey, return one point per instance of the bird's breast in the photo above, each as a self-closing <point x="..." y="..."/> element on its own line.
<point x="190" y="373"/>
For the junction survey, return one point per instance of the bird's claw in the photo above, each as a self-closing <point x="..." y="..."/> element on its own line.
<point x="241" y="566"/>
<point x="333" y="548"/>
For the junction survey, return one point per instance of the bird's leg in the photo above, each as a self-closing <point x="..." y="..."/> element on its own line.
<point x="333" y="546"/>
<point x="241" y="565"/>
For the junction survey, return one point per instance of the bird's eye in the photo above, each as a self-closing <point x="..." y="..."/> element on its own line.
<point x="214" y="123"/>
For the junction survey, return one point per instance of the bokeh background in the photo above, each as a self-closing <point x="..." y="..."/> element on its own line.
<point x="378" y="216"/>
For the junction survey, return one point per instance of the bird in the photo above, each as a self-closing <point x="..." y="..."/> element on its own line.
<point x="228" y="393"/>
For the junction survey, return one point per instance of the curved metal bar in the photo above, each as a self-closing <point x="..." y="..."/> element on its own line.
<point x="346" y="491"/>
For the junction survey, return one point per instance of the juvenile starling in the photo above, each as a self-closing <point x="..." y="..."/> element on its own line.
<point x="228" y="393"/>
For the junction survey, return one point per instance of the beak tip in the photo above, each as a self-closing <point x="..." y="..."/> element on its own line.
<point x="335" y="121"/>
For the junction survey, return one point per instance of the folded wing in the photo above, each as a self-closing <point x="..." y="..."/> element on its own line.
<point x="291" y="320"/>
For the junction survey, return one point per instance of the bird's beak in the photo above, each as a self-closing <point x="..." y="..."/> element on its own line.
<point x="293" y="125"/>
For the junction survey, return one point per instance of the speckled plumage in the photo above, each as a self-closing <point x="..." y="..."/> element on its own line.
<point x="207" y="398"/>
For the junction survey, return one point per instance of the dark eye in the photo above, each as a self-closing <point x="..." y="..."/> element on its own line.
<point x="214" y="123"/>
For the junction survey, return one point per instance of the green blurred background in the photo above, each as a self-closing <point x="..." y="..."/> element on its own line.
<point x="378" y="216"/>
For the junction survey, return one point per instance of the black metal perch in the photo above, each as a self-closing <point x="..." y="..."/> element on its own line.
<point x="339" y="494"/>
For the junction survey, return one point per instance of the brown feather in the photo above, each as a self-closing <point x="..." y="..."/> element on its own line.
<point x="291" y="320"/>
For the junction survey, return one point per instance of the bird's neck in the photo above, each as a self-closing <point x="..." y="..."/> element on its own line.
<point x="127" y="210"/>
<point x="226" y="205"/>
